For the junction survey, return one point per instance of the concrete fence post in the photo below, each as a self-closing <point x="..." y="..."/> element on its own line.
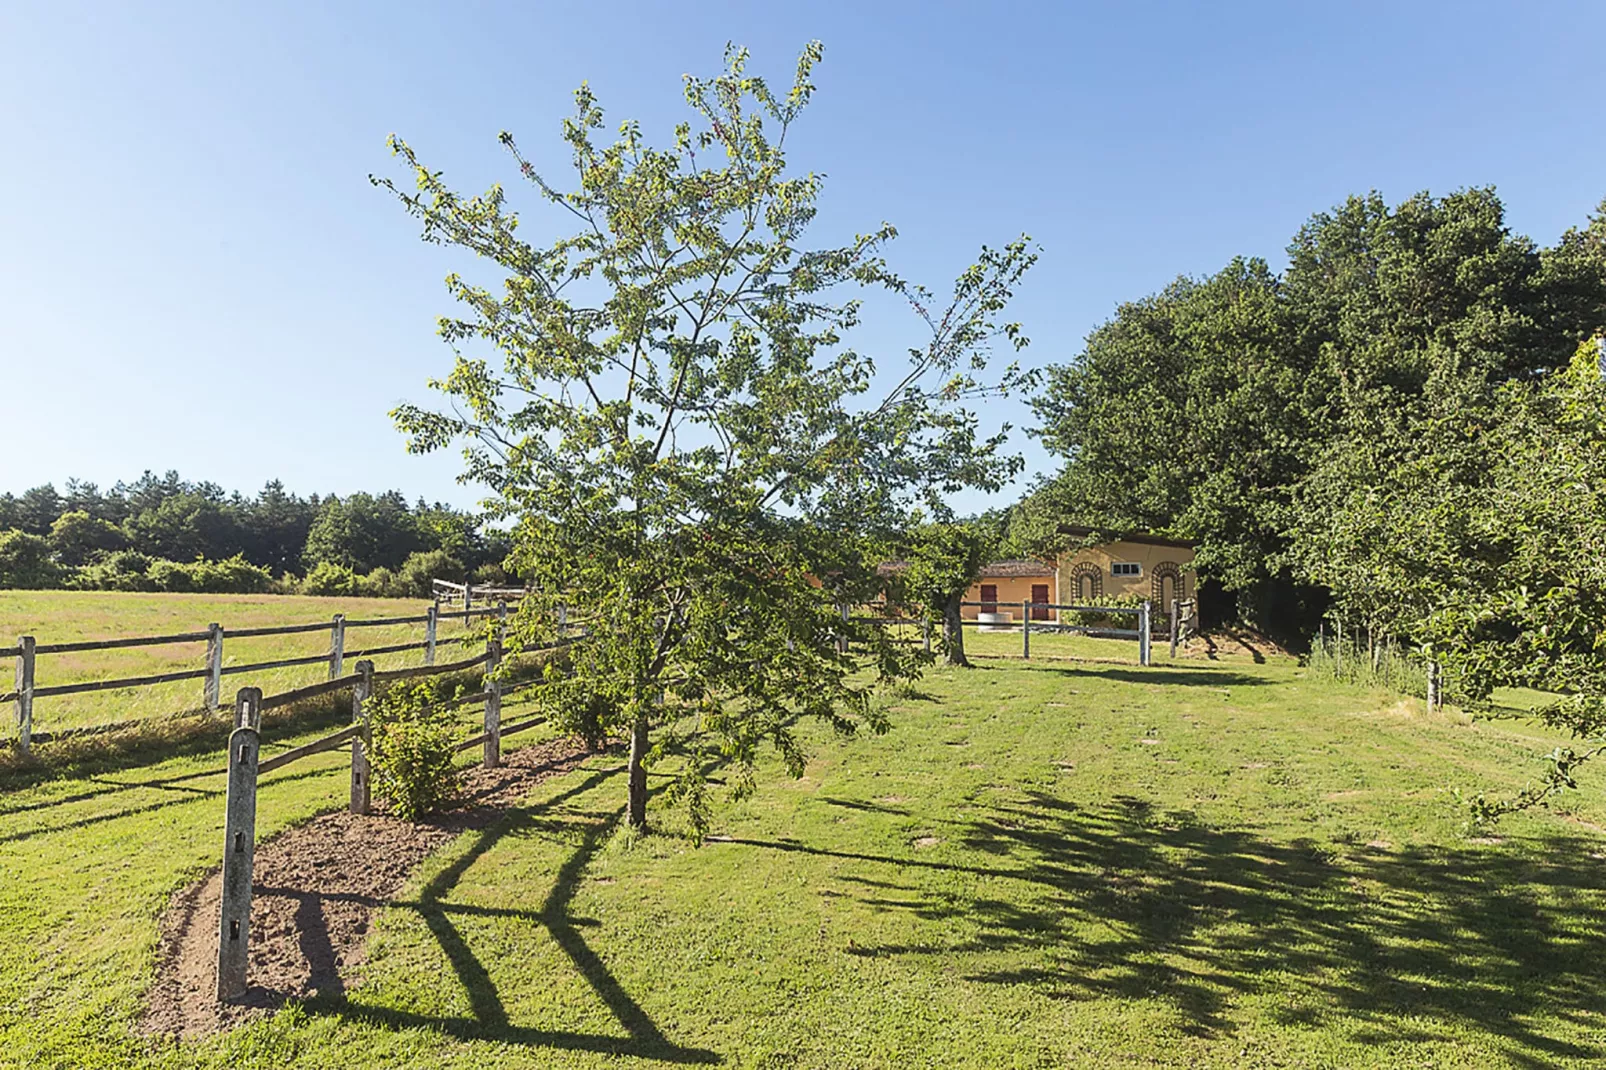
<point x="24" y="689"/>
<point x="239" y="846"/>
<point x="1143" y="633"/>
<point x="842" y="637"/>
<point x="1026" y="630"/>
<point x="337" y="646"/>
<point x="563" y="617"/>
<point x="493" y="706"/>
<point x="361" y="797"/>
<point x="214" y="665"/>
<point x="431" y="626"/>
<point x="1434" y="698"/>
<point x="1176" y="625"/>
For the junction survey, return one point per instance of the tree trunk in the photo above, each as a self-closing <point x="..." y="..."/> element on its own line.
<point x="954" y="633"/>
<point x="638" y="774"/>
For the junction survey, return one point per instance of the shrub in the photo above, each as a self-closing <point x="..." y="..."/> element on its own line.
<point x="234" y="575"/>
<point x="427" y="565"/>
<point x="121" y="570"/>
<point x="326" y="577"/>
<point x="410" y="765"/>
<point x="380" y="583"/>
<point x="25" y="561"/>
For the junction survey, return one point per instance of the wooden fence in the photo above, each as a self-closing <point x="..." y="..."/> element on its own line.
<point x="29" y="650"/>
<point x="449" y="593"/>
<point x="246" y="766"/>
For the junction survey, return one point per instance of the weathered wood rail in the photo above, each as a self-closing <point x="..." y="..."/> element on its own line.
<point x="247" y="767"/>
<point x="27" y="688"/>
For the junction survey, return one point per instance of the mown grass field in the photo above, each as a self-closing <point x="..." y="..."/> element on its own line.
<point x="70" y="616"/>
<point x="1042" y="864"/>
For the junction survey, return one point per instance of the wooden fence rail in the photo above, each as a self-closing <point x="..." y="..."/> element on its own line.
<point x="246" y="767"/>
<point x="28" y="650"/>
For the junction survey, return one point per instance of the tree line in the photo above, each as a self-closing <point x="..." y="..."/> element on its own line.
<point x="165" y="533"/>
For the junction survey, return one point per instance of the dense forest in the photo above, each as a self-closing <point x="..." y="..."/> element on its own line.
<point x="163" y="533"/>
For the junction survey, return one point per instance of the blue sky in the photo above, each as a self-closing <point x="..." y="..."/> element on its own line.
<point x="196" y="274"/>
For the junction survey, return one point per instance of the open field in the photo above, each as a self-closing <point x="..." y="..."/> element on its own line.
<point x="68" y="616"/>
<point x="1043" y="864"/>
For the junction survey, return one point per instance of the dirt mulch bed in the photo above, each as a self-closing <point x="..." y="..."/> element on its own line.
<point x="314" y="892"/>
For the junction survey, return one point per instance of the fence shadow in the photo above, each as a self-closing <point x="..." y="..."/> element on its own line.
<point x="1130" y="903"/>
<point x="488" y="1018"/>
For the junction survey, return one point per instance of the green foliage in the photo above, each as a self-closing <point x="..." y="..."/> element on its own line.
<point x="410" y="761"/>
<point x="234" y="575"/>
<point x="415" y="576"/>
<point x="666" y="403"/>
<point x="25" y="561"/>
<point x="363" y="532"/>
<point x="943" y="561"/>
<point x="171" y="519"/>
<point x="76" y="538"/>
<point x="1229" y="409"/>
<point x="122" y="570"/>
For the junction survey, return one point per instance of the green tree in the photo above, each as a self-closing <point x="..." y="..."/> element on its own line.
<point x="196" y="522"/>
<point x="943" y="560"/>
<point x="76" y="538"/>
<point x="25" y="562"/>
<point x="676" y="401"/>
<point x="1201" y="410"/>
<point x="363" y="532"/>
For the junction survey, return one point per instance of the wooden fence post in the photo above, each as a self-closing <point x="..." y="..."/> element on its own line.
<point x="1175" y="625"/>
<point x="842" y="638"/>
<point x="563" y="617"/>
<point x="928" y="633"/>
<point x="468" y="599"/>
<point x="25" y="662"/>
<point x="239" y="846"/>
<point x="493" y="706"/>
<point x="361" y="798"/>
<point x="1026" y="630"/>
<point x="214" y="665"/>
<point x="337" y="646"/>
<point x="430" y="631"/>
<point x="1434" y="698"/>
<point x="1338" y="658"/>
<point x="1143" y="633"/>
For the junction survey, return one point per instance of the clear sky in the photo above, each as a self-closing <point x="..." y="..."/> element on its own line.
<point x="196" y="274"/>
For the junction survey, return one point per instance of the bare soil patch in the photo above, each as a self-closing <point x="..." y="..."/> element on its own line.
<point x="314" y="893"/>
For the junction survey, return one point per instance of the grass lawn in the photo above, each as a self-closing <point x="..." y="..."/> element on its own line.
<point x="1043" y="864"/>
<point x="69" y="616"/>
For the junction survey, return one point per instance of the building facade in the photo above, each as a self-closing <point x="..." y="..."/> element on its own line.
<point x="1129" y="566"/>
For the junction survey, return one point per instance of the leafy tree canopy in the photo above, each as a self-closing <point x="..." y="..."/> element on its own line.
<point x="693" y="452"/>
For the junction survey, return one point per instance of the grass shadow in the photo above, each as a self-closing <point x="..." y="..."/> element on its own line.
<point x="1126" y="902"/>
<point x="488" y="1018"/>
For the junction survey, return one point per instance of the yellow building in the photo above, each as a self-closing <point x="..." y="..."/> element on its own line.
<point x="1135" y="565"/>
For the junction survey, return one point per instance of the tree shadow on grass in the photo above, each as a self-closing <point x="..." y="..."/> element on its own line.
<point x="1163" y="676"/>
<point x="1126" y="902"/>
<point x="488" y="1018"/>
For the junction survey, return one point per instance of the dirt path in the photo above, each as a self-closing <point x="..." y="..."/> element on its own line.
<point x="315" y="890"/>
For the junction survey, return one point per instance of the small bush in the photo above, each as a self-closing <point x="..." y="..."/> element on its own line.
<point x="121" y="570"/>
<point x="234" y="575"/>
<point x="328" y="578"/>
<point x="410" y="766"/>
